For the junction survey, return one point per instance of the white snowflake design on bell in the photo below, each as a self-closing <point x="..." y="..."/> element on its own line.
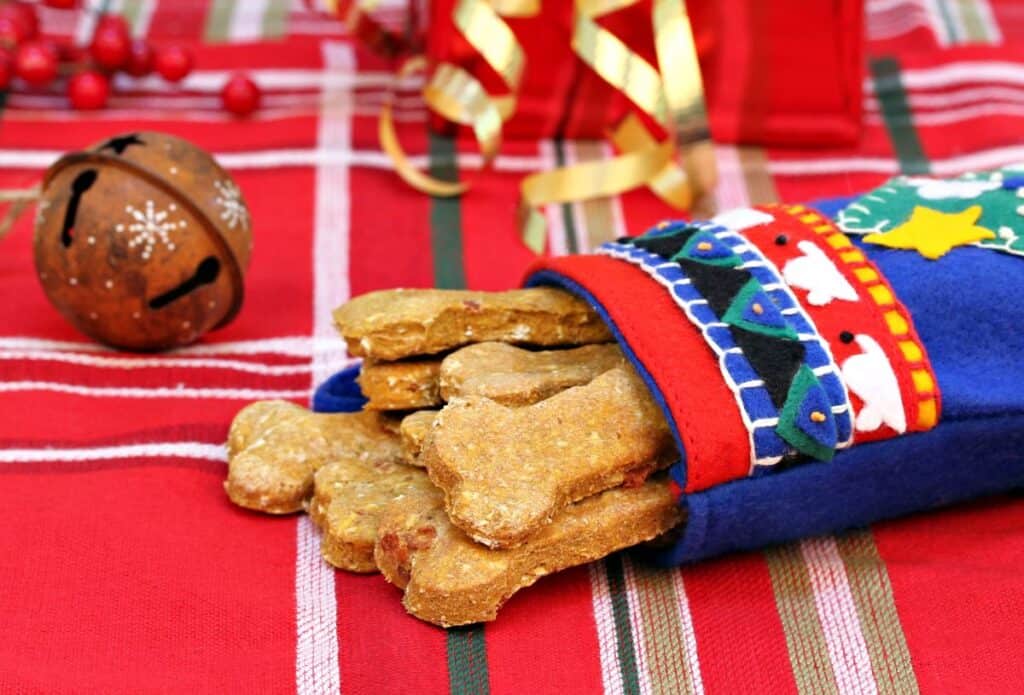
<point x="233" y="210"/>
<point x="150" y="227"/>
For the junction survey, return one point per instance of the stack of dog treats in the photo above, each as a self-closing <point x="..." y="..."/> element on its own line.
<point x="505" y="437"/>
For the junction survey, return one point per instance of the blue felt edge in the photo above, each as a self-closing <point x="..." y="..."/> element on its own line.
<point x="340" y="393"/>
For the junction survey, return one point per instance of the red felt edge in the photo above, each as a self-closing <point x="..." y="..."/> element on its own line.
<point x="676" y="355"/>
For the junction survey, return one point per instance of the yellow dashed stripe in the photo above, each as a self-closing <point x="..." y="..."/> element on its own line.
<point x="923" y="381"/>
<point x="897" y="324"/>
<point x="911" y="351"/>
<point x="865" y="274"/>
<point x="881" y="295"/>
<point x="927" y="414"/>
<point x="839" y="241"/>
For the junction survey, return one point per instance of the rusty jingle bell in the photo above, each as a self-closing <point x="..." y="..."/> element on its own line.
<point x="142" y="241"/>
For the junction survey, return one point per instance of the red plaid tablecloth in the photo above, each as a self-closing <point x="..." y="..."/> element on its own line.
<point x="123" y="567"/>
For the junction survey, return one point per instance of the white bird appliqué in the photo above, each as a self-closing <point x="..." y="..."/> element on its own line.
<point x="742" y="218"/>
<point x="870" y="376"/>
<point x="814" y="272"/>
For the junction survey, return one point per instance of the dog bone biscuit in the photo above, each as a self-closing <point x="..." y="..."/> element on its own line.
<point x="391" y="324"/>
<point x="414" y="430"/>
<point x="515" y="377"/>
<point x="405" y="385"/>
<point x="276" y="447"/>
<point x="506" y="471"/>
<point x="349" y="497"/>
<point x="450" y="580"/>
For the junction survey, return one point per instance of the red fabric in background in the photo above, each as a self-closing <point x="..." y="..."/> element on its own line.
<point x="123" y="568"/>
<point x="785" y="72"/>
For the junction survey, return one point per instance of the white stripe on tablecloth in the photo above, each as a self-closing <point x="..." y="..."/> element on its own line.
<point x="316" y="650"/>
<point x="547" y="161"/>
<point x="731" y="191"/>
<point x="154" y="392"/>
<point x="982" y="159"/>
<point x="961" y="72"/>
<point x="316" y="660"/>
<point x="958" y="115"/>
<point x="191" y="450"/>
<point x="837" y="613"/>
<point x="993" y="34"/>
<point x="154" y="362"/>
<point x="692" y="661"/>
<point x="291" y="346"/>
<point x="246" y="22"/>
<point x="275" y="159"/>
<point x="270" y="79"/>
<point x="143" y="18"/>
<point x="636" y="624"/>
<point x="961" y="96"/>
<point x="604" y="621"/>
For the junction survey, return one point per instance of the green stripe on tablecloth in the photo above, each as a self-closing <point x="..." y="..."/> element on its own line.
<point x="805" y="639"/>
<point x="657" y="606"/>
<point x="876" y="608"/>
<point x="892" y="98"/>
<point x="571" y="246"/>
<point x="952" y="32"/>
<point x="446" y="217"/>
<point x="625" y="647"/>
<point x="275" y="19"/>
<point x="598" y="213"/>
<point x="467" y="661"/>
<point x="131" y="10"/>
<point x="218" y="20"/>
<point x="757" y="177"/>
<point x="467" y="650"/>
<point x="973" y="28"/>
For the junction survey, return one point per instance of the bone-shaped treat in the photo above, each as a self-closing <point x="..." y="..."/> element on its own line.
<point x="506" y="471"/>
<point x="274" y="448"/>
<point x="515" y="377"/>
<point x="350" y="496"/>
<point x="414" y="430"/>
<point x="404" y="385"/>
<point x="450" y="580"/>
<point x="392" y="324"/>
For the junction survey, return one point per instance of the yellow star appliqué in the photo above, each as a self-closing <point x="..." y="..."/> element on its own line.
<point x="932" y="233"/>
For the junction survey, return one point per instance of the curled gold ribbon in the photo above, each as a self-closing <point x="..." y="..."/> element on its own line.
<point x="673" y="97"/>
<point x="671" y="94"/>
<point x="389" y="143"/>
<point x="458" y="96"/>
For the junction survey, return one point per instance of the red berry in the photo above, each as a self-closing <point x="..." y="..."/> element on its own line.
<point x="113" y="21"/>
<point x="140" y="59"/>
<point x="111" y="47"/>
<point x="18" y="23"/>
<point x="36" y="62"/>
<point x="241" y="96"/>
<point x="173" y="63"/>
<point x="88" y="90"/>
<point x="61" y="4"/>
<point x="6" y="69"/>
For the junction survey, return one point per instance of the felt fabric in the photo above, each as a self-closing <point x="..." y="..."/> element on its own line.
<point x="731" y="292"/>
<point x="934" y="215"/>
<point x="884" y="371"/>
<point x="974" y="451"/>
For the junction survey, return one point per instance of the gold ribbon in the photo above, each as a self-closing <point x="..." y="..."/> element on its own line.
<point x="458" y="96"/>
<point x="675" y="169"/>
<point x="674" y="98"/>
